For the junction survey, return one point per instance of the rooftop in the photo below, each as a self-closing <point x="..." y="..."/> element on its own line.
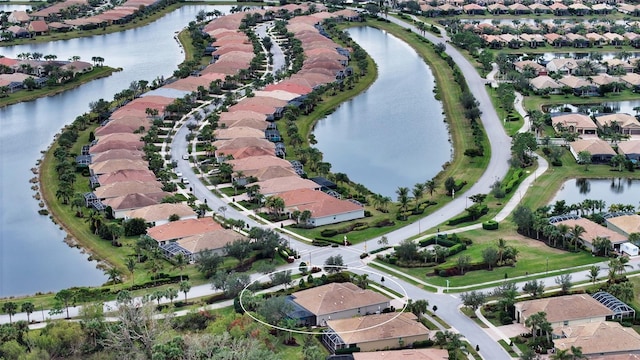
<point x="182" y="228"/>
<point x="565" y="308"/>
<point x="377" y="327"/>
<point x="336" y="297"/>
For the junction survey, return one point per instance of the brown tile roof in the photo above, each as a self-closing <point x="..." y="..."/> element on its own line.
<point x="577" y="120"/>
<point x="135" y="201"/>
<point x="289" y="86"/>
<point x="405" y="354"/>
<point x="127" y="187"/>
<point x="544" y="82"/>
<point x="158" y="212"/>
<point x="565" y="308"/>
<point x="629" y="147"/>
<point x="237" y="132"/>
<point x="623" y="120"/>
<point x="284" y="184"/>
<point x="247" y="151"/>
<point x="212" y="240"/>
<point x="183" y="228"/>
<point x="627" y="223"/>
<point x="116" y="143"/>
<point x="319" y="203"/>
<point x="247" y="123"/>
<point x="230" y="116"/>
<point x="38" y="26"/>
<point x="237" y="143"/>
<point x="258" y="162"/>
<point x="271" y="172"/>
<point x="127" y="124"/>
<point x="126" y="175"/>
<point x="278" y="94"/>
<point x="110" y="166"/>
<point x="631" y="79"/>
<point x="117" y="154"/>
<point x="593" y="230"/>
<point x="377" y="327"/>
<point x="336" y="297"/>
<point x="599" y="338"/>
<point x="595" y="146"/>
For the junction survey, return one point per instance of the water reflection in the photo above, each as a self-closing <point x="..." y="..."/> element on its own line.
<point x="631" y="107"/>
<point x="624" y="191"/>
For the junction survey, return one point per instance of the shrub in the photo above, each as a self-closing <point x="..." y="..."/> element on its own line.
<point x="490" y="225"/>
<point x="456" y="249"/>
<point x="383" y="223"/>
<point x="423" y="344"/>
<point x="329" y="232"/>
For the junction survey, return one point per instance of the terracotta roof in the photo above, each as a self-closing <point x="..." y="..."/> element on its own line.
<point x="183" y="228"/>
<point x="565" y="308"/>
<point x="628" y="223"/>
<point x="159" y="212"/>
<point x="574" y="82"/>
<point x="110" y="166"/>
<point x="38" y="26"/>
<point x="127" y="187"/>
<point x="277" y="94"/>
<point x="271" y="172"/>
<point x="237" y="143"/>
<point x="247" y="123"/>
<point x="289" y="86"/>
<point x="126" y="175"/>
<point x="404" y="354"/>
<point x="593" y="230"/>
<point x="258" y="162"/>
<point x="595" y="146"/>
<point x="135" y="201"/>
<point x="127" y="124"/>
<point x="243" y="152"/>
<point x="117" y="143"/>
<point x="319" y="203"/>
<point x="237" y="132"/>
<point x="229" y="116"/>
<point x="599" y="338"/>
<point x="212" y="240"/>
<point x="623" y="120"/>
<point x="629" y="147"/>
<point x="336" y="297"/>
<point x="377" y="327"/>
<point x="631" y="78"/>
<point x="283" y="184"/>
<point x="577" y="120"/>
<point x="117" y="154"/>
<point x="544" y="82"/>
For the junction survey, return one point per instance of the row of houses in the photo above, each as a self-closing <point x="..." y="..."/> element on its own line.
<point x="557" y="40"/>
<point x="581" y="321"/>
<point x="14" y="72"/>
<point x="557" y="8"/>
<point x="248" y="139"/>
<point x="63" y="16"/>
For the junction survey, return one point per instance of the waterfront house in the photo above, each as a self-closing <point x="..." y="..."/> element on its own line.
<point x="624" y="224"/>
<point x="375" y="332"/>
<point x="567" y="310"/>
<point x="325" y="209"/>
<point x="159" y="214"/>
<point x="599" y="338"/>
<point x="592" y="231"/>
<point x="127" y="187"/>
<point x="113" y="165"/>
<point x="574" y="123"/>
<point x="600" y="150"/>
<point x="630" y="149"/>
<point x="334" y="301"/>
<point x="120" y="205"/>
<point x="125" y="175"/>
<point x="275" y="186"/>
<point x="544" y="83"/>
<point x="38" y="27"/>
<point x="624" y="124"/>
<point x="175" y="230"/>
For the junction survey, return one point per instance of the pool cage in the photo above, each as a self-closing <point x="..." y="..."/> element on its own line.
<point x="620" y="309"/>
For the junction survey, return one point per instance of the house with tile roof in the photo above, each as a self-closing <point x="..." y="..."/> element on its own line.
<point x="575" y="123"/>
<point x="375" y="332"/>
<point x="600" y="150"/>
<point x="209" y="241"/>
<point x="126" y="175"/>
<point x="543" y="83"/>
<point x="320" y="304"/>
<point x="625" y="124"/>
<point x="630" y="149"/>
<point x="594" y="230"/>
<point x="404" y="354"/>
<point x="159" y="214"/>
<point x="567" y="310"/>
<point x="632" y="80"/>
<point x="113" y="165"/>
<point x="176" y="230"/>
<point x="624" y="224"/>
<point x="600" y="338"/>
<point x="279" y="185"/>
<point x="122" y="204"/>
<point x="325" y="209"/>
<point x="127" y="187"/>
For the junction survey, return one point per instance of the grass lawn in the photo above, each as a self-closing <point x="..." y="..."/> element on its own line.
<point x="26" y="95"/>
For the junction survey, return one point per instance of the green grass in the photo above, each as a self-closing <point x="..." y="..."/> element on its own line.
<point x="537" y="102"/>
<point x="472" y="315"/>
<point x="28" y="95"/>
<point x="508" y="348"/>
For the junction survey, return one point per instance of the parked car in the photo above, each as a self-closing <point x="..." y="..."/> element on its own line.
<point x="185" y="180"/>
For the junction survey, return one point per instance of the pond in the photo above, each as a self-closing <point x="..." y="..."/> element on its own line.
<point x="613" y="191"/>
<point x="393" y="134"/>
<point x="627" y="107"/>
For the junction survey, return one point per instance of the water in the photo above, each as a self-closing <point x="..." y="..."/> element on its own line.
<point x="626" y="107"/>
<point x="612" y="191"/>
<point x="382" y="137"/>
<point x="34" y="258"/>
<point x="9" y="8"/>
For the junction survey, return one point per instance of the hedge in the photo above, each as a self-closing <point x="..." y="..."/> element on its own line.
<point x="441" y="241"/>
<point x="466" y="218"/>
<point x="456" y="249"/>
<point x="490" y="225"/>
<point x="348" y="350"/>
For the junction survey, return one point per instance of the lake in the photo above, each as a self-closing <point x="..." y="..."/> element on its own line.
<point x="613" y="191"/>
<point x="393" y="134"/>
<point x="626" y="107"/>
<point x="34" y="257"/>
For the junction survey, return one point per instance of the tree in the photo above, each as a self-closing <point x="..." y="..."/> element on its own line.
<point x="362" y="281"/>
<point x="334" y="264"/>
<point x="564" y="281"/>
<point x="208" y="262"/>
<point x="239" y="249"/>
<point x="537" y="321"/>
<point x="274" y="309"/>
<point x="507" y="293"/>
<point x="418" y="307"/>
<point x="522" y="145"/>
<point x="383" y="241"/>
<point x="594" y="271"/>
<point x="431" y="186"/>
<point x="524" y="219"/>
<point x="29" y="308"/>
<point x="185" y="286"/>
<point x="130" y="263"/>
<point x="171" y="294"/>
<point x="113" y="275"/>
<point x="575" y="234"/>
<point x="180" y="262"/>
<point x="10" y="308"/>
<point x="473" y="299"/>
<point x="623" y="290"/>
<point x="450" y="185"/>
<point x="584" y="157"/>
<point x="403" y="200"/>
<point x="281" y="278"/>
<point x="418" y="192"/>
<point x="65" y="296"/>
<point x="490" y="256"/>
<point x="534" y="288"/>
<point x="462" y="262"/>
<point x="407" y="250"/>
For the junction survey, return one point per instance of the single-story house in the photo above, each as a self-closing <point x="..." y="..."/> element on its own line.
<point x="159" y="214"/>
<point x="575" y="123"/>
<point x="594" y="230"/>
<point x="632" y="80"/>
<point x="522" y="66"/>
<point x="543" y="82"/>
<point x="212" y="240"/>
<point x="325" y="209"/>
<point x="624" y="224"/>
<point x="127" y="187"/>
<point x="623" y="123"/>
<point x="568" y="310"/>
<point x="404" y="354"/>
<point x="122" y="204"/>
<point x="318" y="305"/>
<point x="600" y="338"/>
<point x="562" y="65"/>
<point x="600" y="150"/>
<point x="177" y="230"/>
<point x="580" y="86"/>
<point x="630" y="149"/>
<point x="375" y="332"/>
<point x="288" y="183"/>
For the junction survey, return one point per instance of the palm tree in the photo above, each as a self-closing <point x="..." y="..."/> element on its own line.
<point x="10" y="308"/>
<point x="180" y="262"/>
<point x="574" y="235"/>
<point x="403" y="199"/>
<point x="430" y="186"/>
<point x="594" y="271"/>
<point x="113" y="274"/>
<point x="361" y="281"/>
<point x="185" y="286"/>
<point x="28" y="308"/>
<point x="131" y="266"/>
<point x="418" y="192"/>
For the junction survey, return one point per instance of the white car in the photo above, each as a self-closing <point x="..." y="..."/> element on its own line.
<point x="185" y="180"/>
<point x="178" y="174"/>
